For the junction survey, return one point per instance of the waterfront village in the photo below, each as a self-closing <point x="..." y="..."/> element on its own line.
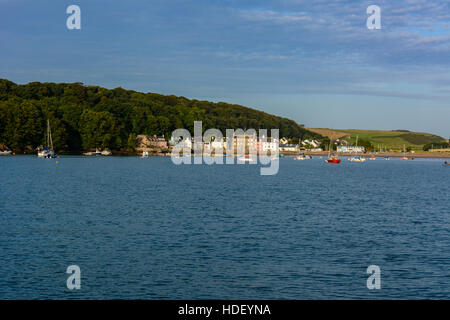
<point x="158" y="145"/>
<point x="242" y="143"/>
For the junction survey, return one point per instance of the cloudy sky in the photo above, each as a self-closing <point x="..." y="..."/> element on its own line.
<point x="313" y="61"/>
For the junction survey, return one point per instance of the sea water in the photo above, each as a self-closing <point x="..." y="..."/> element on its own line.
<point x="148" y="229"/>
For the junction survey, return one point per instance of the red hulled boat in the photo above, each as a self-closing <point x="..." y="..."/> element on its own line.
<point x="334" y="160"/>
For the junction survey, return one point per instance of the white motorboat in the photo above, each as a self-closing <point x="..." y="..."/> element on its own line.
<point x="246" y="158"/>
<point x="106" y="153"/>
<point x="357" y="159"/>
<point x="93" y="153"/>
<point x="301" y="156"/>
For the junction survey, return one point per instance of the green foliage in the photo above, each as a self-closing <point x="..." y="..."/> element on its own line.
<point x="437" y="145"/>
<point x="98" y="129"/>
<point x="415" y="138"/>
<point x="294" y="140"/>
<point x="393" y="139"/>
<point x="325" y="143"/>
<point x="84" y="117"/>
<point x="366" y="144"/>
<point x="131" y="141"/>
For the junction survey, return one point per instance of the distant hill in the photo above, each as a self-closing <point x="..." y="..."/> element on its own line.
<point x="330" y="133"/>
<point x="394" y="139"/>
<point x="84" y="117"/>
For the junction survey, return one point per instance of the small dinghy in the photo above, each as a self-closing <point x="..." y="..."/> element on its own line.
<point x="5" y="153"/>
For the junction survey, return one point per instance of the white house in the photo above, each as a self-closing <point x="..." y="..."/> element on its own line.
<point x="187" y="143"/>
<point x="270" y="144"/>
<point x="313" y="143"/>
<point x="289" y="147"/>
<point x="351" y="149"/>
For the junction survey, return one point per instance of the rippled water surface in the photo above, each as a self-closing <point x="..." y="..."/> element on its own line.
<point x="147" y="229"/>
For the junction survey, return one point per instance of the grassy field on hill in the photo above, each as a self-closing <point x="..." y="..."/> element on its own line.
<point x="390" y="140"/>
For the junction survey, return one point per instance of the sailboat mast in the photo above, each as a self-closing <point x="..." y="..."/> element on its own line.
<point x="49" y="135"/>
<point x="329" y="148"/>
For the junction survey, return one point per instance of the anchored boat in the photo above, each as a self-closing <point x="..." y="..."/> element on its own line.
<point x="48" y="151"/>
<point x="332" y="158"/>
<point x="92" y="153"/>
<point x="302" y="156"/>
<point x="404" y="154"/>
<point x="106" y="152"/>
<point x="246" y="158"/>
<point x="357" y="159"/>
<point x="5" y="153"/>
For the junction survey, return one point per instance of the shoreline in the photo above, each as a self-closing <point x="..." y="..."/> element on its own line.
<point x="385" y="154"/>
<point x="433" y="155"/>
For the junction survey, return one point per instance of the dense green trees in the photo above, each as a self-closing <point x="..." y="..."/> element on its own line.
<point x="85" y="117"/>
<point x="366" y="144"/>
<point x="21" y="125"/>
<point x="436" y="145"/>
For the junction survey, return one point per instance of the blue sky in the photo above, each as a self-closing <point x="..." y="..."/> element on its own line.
<point x="312" y="61"/>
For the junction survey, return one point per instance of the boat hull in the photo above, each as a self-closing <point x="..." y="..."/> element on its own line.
<point x="334" y="160"/>
<point x="357" y="160"/>
<point x="47" y="154"/>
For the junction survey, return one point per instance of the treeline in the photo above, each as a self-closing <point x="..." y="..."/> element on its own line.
<point x="325" y="144"/>
<point x="436" y="145"/>
<point x="83" y="117"/>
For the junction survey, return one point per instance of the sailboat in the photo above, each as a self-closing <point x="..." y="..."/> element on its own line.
<point x="48" y="151"/>
<point x="332" y="158"/>
<point x="357" y="158"/>
<point x="404" y="153"/>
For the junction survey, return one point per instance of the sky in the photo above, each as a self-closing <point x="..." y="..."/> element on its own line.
<point x="313" y="61"/>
